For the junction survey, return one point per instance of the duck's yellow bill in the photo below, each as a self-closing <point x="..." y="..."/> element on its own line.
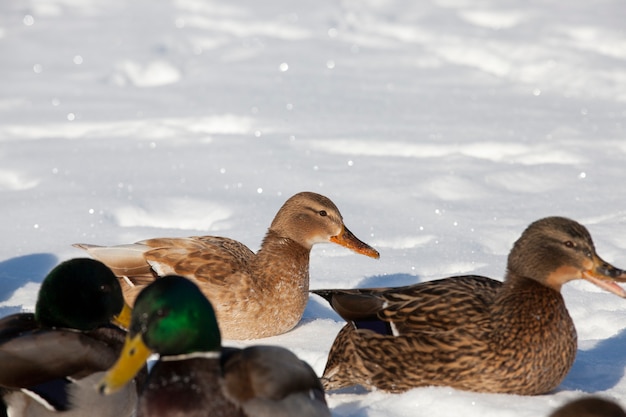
<point x="133" y="357"/>
<point x="123" y="319"/>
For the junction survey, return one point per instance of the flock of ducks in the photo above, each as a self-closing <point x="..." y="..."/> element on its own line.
<point x="83" y="352"/>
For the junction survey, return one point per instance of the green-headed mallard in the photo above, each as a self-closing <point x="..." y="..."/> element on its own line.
<point x="59" y="353"/>
<point x="472" y="332"/>
<point x="194" y="376"/>
<point x="254" y="295"/>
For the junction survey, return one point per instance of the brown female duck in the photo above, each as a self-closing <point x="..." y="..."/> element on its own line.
<point x="254" y="295"/>
<point x="472" y="332"/>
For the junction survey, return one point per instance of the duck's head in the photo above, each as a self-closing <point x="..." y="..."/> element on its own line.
<point x="81" y="294"/>
<point x="170" y="317"/>
<point x="556" y="250"/>
<point x="309" y="218"/>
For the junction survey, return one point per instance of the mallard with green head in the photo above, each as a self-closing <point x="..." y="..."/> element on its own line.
<point x="51" y="359"/>
<point x="472" y="332"/>
<point x="194" y="376"/>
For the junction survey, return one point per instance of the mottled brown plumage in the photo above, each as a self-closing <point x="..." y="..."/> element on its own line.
<point x="472" y="332"/>
<point x="255" y="295"/>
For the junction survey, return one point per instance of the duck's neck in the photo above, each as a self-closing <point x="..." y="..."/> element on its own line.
<point x="534" y="309"/>
<point x="533" y="331"/>
<point x="281" y="277"/>
<point x="282" y="262"/>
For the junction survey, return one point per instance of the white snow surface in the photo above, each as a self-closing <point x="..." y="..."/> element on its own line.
<point x="440" y="128"/>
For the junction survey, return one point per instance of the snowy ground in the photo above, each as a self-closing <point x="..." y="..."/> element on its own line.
<point x="440" y="128"/>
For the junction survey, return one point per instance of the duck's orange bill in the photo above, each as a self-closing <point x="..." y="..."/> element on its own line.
<point x="123" y="319"/>
<point x="348" y="240"/>
<point x="606" y="276"/>
<point x="132" y="358"/>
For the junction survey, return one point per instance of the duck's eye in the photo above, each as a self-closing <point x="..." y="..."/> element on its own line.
<point x="157" y="315"/>
<point x="322" y="213"/>
<point x="570" y="244"/>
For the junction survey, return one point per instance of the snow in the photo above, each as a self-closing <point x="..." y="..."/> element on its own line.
<point x="440" y="128"/>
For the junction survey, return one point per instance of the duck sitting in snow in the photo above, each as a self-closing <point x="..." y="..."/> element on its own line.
<point x="472" y="332"/>
<point x="195" y="376"/>
<point x="51" y="360"/>
<point x="254" y="295"/>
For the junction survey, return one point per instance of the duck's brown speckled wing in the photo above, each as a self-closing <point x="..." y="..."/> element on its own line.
<point x="436" y="305"/>
<point x="209" y="260"/>
<point x="440" y="305"/>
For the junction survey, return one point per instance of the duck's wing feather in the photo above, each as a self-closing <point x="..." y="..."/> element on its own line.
<point x="208" y="260"/>
<point x="123" y="260"/>
<point x="50" y="370"/>
<point x="38" y="356"/>
<point x="271" y="381"/>
<point x="355" y="304"/>
<point x="429" y="306"/>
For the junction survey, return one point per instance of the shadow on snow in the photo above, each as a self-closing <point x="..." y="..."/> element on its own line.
<point x="16" y="272"/>
<point x="599" y="368"/>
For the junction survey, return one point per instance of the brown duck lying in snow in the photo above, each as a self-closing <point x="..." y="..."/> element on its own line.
<point x="472" y="332"/>
<point x="254" y="295"/>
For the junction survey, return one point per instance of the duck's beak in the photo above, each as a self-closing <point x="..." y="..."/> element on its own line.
<point x="123" y="318"/>
<point x="605" y="276"/>
<point x="347" y="239"/>
<point x="132" y="358"/>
